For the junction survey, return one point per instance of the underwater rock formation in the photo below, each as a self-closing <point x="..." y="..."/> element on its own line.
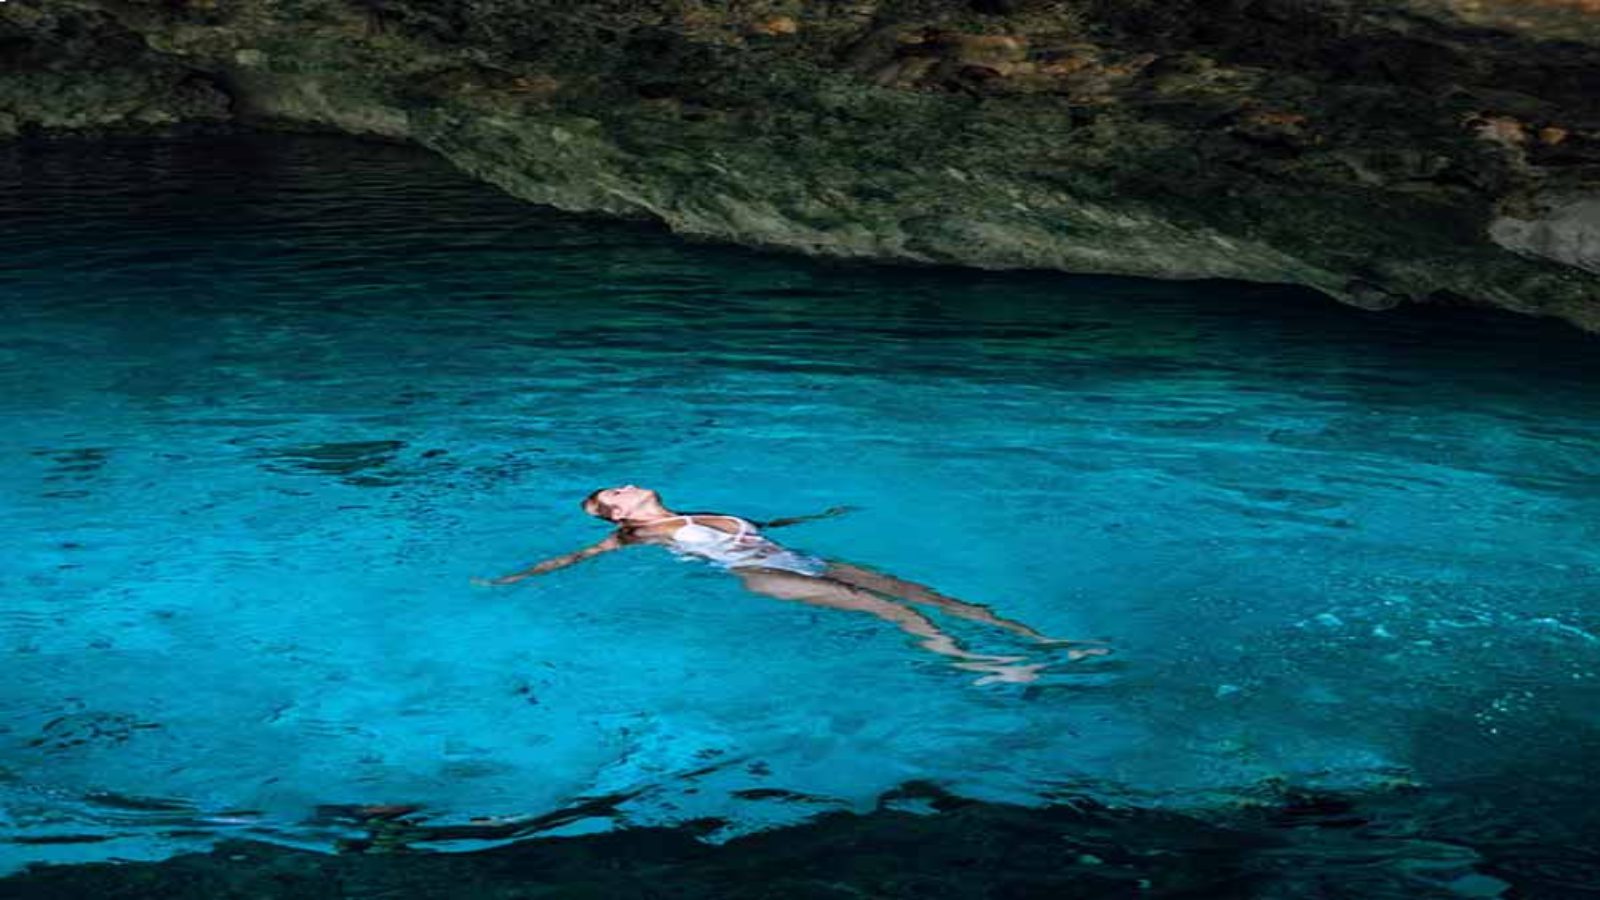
<point x="1381" y="152"/>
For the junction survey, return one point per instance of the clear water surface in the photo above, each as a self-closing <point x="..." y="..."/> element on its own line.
<point x="270" y="403"/>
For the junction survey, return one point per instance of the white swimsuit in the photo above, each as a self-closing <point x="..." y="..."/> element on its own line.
<point x="744" y="549"/>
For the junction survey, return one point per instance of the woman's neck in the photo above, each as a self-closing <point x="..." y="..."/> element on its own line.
<point x="649" y="516"/>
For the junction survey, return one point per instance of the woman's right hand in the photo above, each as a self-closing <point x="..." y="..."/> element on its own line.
<point x="495" y="582"/>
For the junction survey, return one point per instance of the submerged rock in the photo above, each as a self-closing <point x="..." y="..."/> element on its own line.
<point x="1430" y="150"/>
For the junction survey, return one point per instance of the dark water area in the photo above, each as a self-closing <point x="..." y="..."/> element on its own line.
<point x="271" y="402"/>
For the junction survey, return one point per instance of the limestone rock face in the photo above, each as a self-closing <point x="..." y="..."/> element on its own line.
<point x="1567" y="231"/>
<point x="80" y="71"/>
<point x="1382" y="152"/>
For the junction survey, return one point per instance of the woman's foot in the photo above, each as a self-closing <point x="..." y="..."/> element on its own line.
<point x="1078" y="653"/>
<point x="1002" y="674"/>
<point x="1076" y="650"/>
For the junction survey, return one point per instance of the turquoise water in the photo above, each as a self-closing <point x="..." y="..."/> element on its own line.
<point x="271" y="404"/>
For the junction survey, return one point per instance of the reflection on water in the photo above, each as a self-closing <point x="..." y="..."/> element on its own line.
<point x="275" y="401"/>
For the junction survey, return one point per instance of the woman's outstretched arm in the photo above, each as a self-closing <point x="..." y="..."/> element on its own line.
<point x="612" y="542"/>
<point x="828" y="513"/>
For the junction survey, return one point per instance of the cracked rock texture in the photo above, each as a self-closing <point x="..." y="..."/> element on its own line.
<point x="1381" y="152"/>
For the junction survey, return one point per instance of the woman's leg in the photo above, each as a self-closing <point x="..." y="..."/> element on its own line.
<point x="839" y="595"/>
<point x="921" y="593"/>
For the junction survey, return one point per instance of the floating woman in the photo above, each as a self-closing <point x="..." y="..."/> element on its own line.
<point x="767" y="567"/>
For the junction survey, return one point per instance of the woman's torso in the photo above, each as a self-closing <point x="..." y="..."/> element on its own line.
<point x="728" y="541"/>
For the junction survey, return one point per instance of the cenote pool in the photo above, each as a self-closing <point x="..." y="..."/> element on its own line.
<point x="271" y="403"/>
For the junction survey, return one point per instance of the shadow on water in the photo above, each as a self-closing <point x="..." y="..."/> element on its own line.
<point x="168" y="188"/>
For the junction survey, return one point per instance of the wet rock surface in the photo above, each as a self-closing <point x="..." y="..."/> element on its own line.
<point x="1434" y="150"/>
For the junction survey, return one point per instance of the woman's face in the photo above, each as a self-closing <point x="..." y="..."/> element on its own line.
<point x="619" y="503"/>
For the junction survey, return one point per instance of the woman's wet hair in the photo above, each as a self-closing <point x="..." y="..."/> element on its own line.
<point x="594" y="506"/>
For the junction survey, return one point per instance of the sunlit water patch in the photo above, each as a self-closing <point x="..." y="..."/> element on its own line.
<point x="271" y="403"/>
